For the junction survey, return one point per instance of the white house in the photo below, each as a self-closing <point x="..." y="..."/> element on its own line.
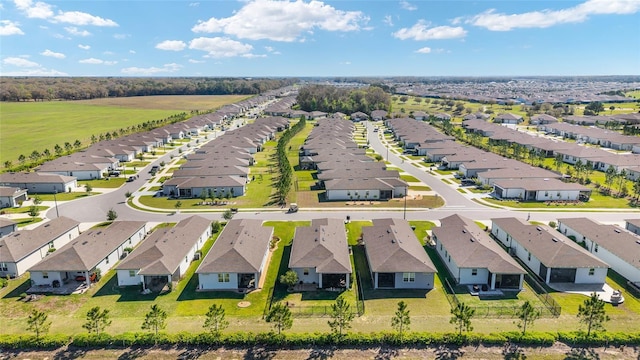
<point x="396" y="257"/>
<point x="22" y="249"/>
<point x="165" y="255"/>
<point x="619" y="248"/>
<point x="39" y="183"/>
<point x="320" y="255"/>
<point x="11" y="196"/>
<point x="540" y="190"/>
<point x="549" y="254"/>
<point x="238" y="259"/>
<point x="473" y="258"/>
<point x="98" y="249"/>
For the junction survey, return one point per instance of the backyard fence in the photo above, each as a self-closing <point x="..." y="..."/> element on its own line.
<point x="538" y="289"/>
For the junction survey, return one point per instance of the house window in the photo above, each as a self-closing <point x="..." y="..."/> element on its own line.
<point x="474" y="272"/>
<point x="106" y="260"/>
<point x="596" y="248"/>
<point x="440" y="246"/>
<point x="3" y="267"/>
<point x="45" y="275"/>
<point x="223" y="278"/>
<point x="186" y="259"/>
<point x="51" y="244"/>
<point x="529" y="257"/>
<point x="305" y="271"/>
<point x="132" y="273"/>
<point x="592" y="272"/>
<point x="409" y="277"/>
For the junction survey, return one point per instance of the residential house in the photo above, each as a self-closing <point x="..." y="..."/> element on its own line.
<point x="473" y="258"/>
<point x="549" y="254"/>
<point x="39" y="183"/>
<point x="95" y="250"/>
<point x="508" y="118"/>
<point x="7" y="227"/>
<point x="238" y="259"/>
<point x="12" y="196"/>
<point x="165" y="255"/>
<point x="533" y="189"/>
<point x="617" y="247"/>
<point x="633" y="225"/>
<point x="320" y="255"/>
<point x="542" y="119"/>
<point x="395" y="256"/>
<point x="22" y="249"/>
<point x="378" y="115"/>
<point x="359" y="116"/>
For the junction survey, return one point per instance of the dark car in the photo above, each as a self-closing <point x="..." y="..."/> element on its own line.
<point x="131" y="178"/>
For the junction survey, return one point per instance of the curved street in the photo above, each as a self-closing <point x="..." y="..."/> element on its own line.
<point x="94" y="208"/>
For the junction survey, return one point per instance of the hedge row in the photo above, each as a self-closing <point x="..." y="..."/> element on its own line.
<point x="243" y="339"/>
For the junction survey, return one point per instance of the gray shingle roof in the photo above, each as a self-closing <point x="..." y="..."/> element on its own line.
<point x="322" y="246"/>
<point x="240" y="248"/>
<point x="90" y="248"/>
<point x="20" y="244"/>
<point x="553" y="249"/>
<point x="392" y="246"/>
<point x="470" y="247"/>
<point x="162" y="252"/>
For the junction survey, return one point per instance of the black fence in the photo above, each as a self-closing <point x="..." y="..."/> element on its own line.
<point x="538" y="289"/>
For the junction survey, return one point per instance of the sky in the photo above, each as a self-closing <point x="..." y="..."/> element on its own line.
<point x="284" y="38"/>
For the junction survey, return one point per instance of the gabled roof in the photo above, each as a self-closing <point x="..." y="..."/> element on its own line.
<point x="392" y="246"/>
<point x="240" y="248"/>
<point x="470" y="247"/>
<point x="16" y="246"/>
<point x="553" y="249"/>
<point x="34" y="177"/>
<point x="322" y="246"/>
<point x="162" y="252"/>
<point x="617" y="240"/>
<point x="87" y="250"/>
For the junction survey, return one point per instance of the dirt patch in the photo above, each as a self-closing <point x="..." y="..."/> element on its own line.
<point x="557" y="351"/>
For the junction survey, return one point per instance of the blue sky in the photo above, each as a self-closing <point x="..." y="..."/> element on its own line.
<point x="319" y="38"/>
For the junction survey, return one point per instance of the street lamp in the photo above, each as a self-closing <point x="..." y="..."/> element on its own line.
<point x="55" y="200"/>
<point x="405" y="202"/>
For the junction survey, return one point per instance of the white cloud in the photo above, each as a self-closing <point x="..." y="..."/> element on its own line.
<point x="52" y="54"/>
<point x="282" y="20"/>
<point x="219" y="47"/>
<point x="388" y="20"/>
<point x="81" y="19"/>
<point x="166" y="68"/>
<point x="84" y="47"/>
<point x="19" y="62"/>
<point x="108" y="52"/>
<point x="95" y="61"/>
<point x="408" y="6"/>
<point x="422" y="31"/>
<point x="424" y="50"/>
<point x="272" y="50"/>
<point x="39" y="10"/>
<point x="77" y="32"/>
<point x="132" y="51"/>
<point x="8" y="27"/>
<point x="546" y="18"/>
<point x="193" y="61"/>
<point x="42" y="10"/>
<point x="120" y="36"/>
<point x="194" y="4"/>
<point x="171" y="45"/>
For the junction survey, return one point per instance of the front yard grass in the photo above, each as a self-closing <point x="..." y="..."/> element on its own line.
<point x="409" y="178"/>
<point x="597" y="200"/>
<point x="67" y="196"/>
<point x="111" y="182"/>
<point x="22" y="210"/>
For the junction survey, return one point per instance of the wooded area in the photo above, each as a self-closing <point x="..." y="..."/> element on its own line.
<point x="346" y="100"/>
<point x="82" y="88"/>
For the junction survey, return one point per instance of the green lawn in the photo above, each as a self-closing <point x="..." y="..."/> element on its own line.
<point x="110" y="182"/>
<point x="22" y="210"/>
<point x="597" y="200"/>
<point x="419" y="188"/>
<point x="409" y="178"/>
<point x="65" y="196"/>
<point x="28" y="221"/>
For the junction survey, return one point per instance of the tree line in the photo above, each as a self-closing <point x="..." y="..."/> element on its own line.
<point x="333" y="99"/>
<point x="82" y="88"/>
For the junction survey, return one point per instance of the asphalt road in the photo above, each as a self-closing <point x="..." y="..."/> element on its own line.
<point x="94" y="208"/>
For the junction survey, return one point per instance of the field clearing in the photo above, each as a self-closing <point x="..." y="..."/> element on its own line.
<point x="29" y="126"/>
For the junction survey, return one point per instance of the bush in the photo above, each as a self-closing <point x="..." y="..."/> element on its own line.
<point x="3" y="282"/>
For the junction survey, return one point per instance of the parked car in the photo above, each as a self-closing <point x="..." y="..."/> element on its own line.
<point x="131" y="178"/>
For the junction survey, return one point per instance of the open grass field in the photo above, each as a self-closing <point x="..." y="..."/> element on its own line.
<point x="28" y="126"/>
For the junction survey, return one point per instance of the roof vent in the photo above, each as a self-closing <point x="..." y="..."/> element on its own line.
<point x="471" y="239"/>
<point x="538" y="228"/>
<point x="464" y="231"/>
<point x="617" y="230"/>
<point x="393" y="241"/>
<point x="554" y="239"/>
<point x="47" y="225"/>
